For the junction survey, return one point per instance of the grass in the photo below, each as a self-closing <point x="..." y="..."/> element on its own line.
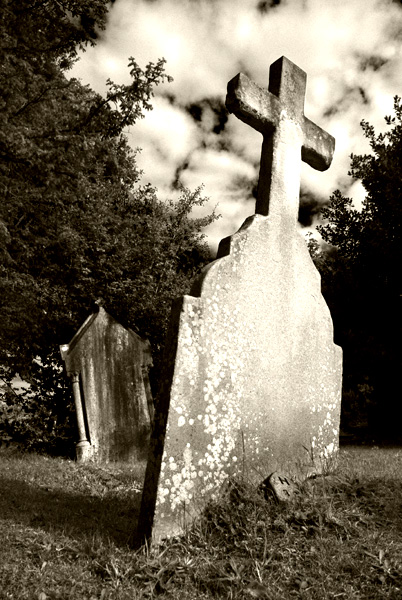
<point x="65" y="531"/>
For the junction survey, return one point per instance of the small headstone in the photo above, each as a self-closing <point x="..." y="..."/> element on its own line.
<point x="253" y="378"/>
<point x="108" y="366"/>
<point x="279" y="486"/>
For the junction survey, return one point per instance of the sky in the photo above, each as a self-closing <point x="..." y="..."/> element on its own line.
<point x="351" y="51"/>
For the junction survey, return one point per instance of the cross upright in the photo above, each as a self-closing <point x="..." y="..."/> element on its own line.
<point x="288" y="136"/>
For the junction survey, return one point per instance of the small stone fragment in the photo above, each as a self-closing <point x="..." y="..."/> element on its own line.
<point x="280" y="486"/>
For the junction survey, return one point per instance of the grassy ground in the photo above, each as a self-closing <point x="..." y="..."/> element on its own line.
<point x="65" y="529"/>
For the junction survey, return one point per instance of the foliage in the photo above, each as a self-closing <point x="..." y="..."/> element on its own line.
<point x="76" y="227"/>
<point x="65" y="530"/>
<point x="361" y="274"/>
<point x="39" y="417"/>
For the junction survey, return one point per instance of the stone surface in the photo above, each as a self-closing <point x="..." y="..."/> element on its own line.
<point x="108" y="366"/>
<point x="279" y="486"/>
<point x="253" y="378"/>
<point x="287" y="136"/>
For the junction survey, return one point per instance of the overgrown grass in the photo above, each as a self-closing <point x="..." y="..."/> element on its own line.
<point x="65" y="530"/>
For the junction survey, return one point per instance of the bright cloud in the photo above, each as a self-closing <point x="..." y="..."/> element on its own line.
<point x="166" y="136"/>
<point x="351" y="52"/>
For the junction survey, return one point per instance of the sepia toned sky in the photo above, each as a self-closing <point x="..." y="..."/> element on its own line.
<point x="351" y="51"/>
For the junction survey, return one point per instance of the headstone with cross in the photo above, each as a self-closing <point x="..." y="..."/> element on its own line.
<point x="253" y="379"/>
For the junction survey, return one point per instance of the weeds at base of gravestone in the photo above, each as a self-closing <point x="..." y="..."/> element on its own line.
<point x="338" y="538"/>
<point x="251" y="548"/>
<point x="323" y="463"/>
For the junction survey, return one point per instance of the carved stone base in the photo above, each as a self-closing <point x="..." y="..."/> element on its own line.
<point x="83" y="451"/>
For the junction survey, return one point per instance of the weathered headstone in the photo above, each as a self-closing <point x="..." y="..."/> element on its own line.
<point x="253" y="381"/>
<point x="108" y="365"/>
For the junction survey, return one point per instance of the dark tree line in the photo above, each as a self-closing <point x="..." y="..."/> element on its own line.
<point x="76" y="226"/>
<point x="361" y="269"/>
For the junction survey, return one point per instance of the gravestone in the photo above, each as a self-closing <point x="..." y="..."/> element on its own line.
<point x="253" y="379"/>
<point x="108" y="366"/>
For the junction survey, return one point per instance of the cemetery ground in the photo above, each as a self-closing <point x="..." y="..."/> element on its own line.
<point x="65" y="533"/>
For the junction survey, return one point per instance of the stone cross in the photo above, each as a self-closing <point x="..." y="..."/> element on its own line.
<point x="288" y="135"/>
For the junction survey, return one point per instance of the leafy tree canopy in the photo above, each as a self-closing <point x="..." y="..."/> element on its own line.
<point x="76" y="226"/>
<point x="361" y="270"/>
<point x="372" y="237"/>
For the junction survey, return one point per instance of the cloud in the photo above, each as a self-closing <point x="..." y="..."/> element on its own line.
<point x="309" y="208"/>
<point x="166" y="137"/>
<point x="221" y="173"/>
<point x="351" y="52"/>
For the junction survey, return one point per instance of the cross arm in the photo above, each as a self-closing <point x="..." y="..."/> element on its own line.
<point x="252" y="104"/>
<point x="318" y="146"/>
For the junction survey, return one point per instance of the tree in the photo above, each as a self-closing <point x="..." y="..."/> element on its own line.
<point x="362" y="273"/>
<point x="76" y="226"/>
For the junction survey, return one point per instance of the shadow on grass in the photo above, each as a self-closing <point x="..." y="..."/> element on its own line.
<point x="82" y="517"/>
